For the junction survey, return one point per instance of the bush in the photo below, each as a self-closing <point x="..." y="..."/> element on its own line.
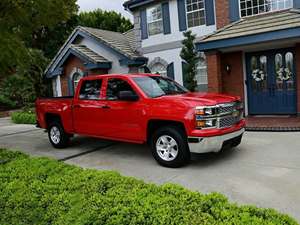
<point x="6" y="102"/>
<point x="27" y="117"/>
<point x="43" y="191"/>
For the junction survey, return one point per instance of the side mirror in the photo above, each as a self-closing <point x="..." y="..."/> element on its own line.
<point x="128" y="96"/>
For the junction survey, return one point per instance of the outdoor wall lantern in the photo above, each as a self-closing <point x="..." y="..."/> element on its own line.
<point x="228" y="68"/>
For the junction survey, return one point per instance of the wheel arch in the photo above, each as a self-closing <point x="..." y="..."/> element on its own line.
<point x="155" y="124"/>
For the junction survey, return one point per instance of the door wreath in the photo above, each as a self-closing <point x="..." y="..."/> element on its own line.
<point x="258" y="75"/>
<point x="284" y="74"/>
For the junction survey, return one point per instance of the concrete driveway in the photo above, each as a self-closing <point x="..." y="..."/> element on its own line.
<point x="264" y="170"/>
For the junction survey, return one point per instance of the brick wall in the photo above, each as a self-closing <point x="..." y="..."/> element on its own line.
<point x="214" y="72"/>
<point x="297" y="60"/>
<point x="233" y="81"/>
<point x="222" y="13"/>
<point x="70" y="64"/>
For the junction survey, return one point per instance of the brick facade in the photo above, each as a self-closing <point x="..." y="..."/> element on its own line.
<point x="70" y="64"/>
<point x="214" y="72"/>
<point x="222" y="13"/>
<point x="233" y="80"/>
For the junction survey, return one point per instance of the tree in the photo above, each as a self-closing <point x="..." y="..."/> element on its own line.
<point x="106" y="20"/>
<point x="190" y="57"/>
<point x="23" y="22"/>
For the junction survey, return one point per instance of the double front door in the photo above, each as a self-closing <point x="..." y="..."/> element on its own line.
<point x="271" y="82"/>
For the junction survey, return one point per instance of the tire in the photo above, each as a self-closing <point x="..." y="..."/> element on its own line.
<point x="236" y="141"/>
<point x="169" y="147"/>
<point x="57" y="135"/>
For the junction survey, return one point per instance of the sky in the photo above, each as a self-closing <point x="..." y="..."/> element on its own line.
<point x="116" y="5"/>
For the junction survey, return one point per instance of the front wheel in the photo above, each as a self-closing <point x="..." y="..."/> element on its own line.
<point x="169" y="147"/>
<point x="57" y="136"/>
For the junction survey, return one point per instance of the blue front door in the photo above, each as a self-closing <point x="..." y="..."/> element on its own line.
<point x="271" y="82"/>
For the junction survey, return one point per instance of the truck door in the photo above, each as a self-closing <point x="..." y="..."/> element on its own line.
<point x="88" y="108"/>
<point x="124" y="119"/>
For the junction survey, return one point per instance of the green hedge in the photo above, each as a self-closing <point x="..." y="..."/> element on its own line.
<point x="23" y="117"/>
<point x="43" y="191"/>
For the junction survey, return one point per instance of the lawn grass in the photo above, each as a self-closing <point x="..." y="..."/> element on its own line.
<point x="45" y="191"/>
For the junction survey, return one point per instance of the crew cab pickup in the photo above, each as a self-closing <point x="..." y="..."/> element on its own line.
<point x="145" y="108"/>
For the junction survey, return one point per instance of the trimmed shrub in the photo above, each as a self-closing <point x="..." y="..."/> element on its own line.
<point x="23" y="117"/>
<point x="43" y="191"/>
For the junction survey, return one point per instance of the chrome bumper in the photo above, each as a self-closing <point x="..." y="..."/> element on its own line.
<point x="211" y="144"/>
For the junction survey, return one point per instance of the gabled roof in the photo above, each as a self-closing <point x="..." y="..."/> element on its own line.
<point x="89" y="54"/>
<point x="115" y="40"/>
<point x="122" y="44"/>
<point x="255" y="25"/>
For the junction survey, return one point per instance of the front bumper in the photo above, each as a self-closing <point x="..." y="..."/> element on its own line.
<point x="211" y="144"/>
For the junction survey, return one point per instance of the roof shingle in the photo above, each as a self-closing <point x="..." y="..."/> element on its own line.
<point x="88" y="53"/>
<point x="257" y="24"/>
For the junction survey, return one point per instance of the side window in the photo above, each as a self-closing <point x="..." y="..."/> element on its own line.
<point x="90" y="90"/>
<point x="114" y="86"/>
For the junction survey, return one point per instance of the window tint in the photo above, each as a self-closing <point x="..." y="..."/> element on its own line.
<point x="114" y="86"/>
<point x="156" y="86"/>
<point x="90" y="90"/>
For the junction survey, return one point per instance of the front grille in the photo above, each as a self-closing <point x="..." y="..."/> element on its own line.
<point x="226" y="109"/>
<point x="228" y="121"/>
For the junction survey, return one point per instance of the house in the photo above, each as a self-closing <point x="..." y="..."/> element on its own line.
<point x="249" y="48"/>
<point x="159" y="27"/>
<point x="90" y="51"/>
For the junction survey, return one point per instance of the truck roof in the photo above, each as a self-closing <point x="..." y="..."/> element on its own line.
<point x="120" y="75"/>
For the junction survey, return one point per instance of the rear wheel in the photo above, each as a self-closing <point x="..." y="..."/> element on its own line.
<point x="169" y="147"/>
<point x="57" y="136"/>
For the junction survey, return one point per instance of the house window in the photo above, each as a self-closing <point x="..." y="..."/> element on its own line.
<point x="254" y="7"/>
<point x="76" y="78"/>
<point x="155" y="21"/>
<point x="159" y="68"/>
<point x="195" y="13"/>
<point x="201" y="71"/>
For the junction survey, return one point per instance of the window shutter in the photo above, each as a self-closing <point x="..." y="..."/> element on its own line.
<point x="181" y="15"/>
<point x="166" y="18"/>
<point x="297" y="4"/>
<point x="170" y="71"/>
<point x="210" y="12"/>
<point x="70" y="86"/>
<point x="144" y="29"/>
<point x="184" y="68"/>
<point x="234" y="13"/>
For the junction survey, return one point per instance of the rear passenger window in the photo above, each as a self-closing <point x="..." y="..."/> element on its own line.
<point x="90" y="90"/>
<point x="114" y="86"/>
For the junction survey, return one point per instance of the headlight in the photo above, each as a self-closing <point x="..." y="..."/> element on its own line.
<point x="209" y="123"/>
<point x="205" y="111"/>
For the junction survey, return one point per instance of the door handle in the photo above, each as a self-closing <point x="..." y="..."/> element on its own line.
<point x="105" y="107"/>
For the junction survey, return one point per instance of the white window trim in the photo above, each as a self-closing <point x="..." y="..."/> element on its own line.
<point x="240" y="10"/>
<point x="56" y="86"/>
<point x="186" y="14"/>
<point x="199" y="68"/>
<point x="154" y="21"/>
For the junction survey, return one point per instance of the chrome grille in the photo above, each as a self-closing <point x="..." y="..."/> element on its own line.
<point x="226" y="109"/>
<point x="228" y="121"/>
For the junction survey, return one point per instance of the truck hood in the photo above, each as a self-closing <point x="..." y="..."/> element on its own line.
<point x="201" y="99"/>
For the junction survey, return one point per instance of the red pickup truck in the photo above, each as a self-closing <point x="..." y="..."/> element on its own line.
<point x="144" y="108"/>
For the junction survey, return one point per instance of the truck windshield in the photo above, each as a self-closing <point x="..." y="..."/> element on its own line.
<point x="156" y="86"/>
